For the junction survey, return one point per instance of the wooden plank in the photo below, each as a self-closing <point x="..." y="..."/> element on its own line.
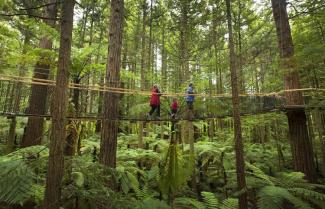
<point x="95" y="118"/>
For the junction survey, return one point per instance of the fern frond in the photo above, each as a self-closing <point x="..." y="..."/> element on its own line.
<point x="271" y="197"/>
<point x="229" y="203"/>
<point x="259" y="174"/>
<point x="153" y="204"/>
<point x="16" y="182"/>
<point x="210" y="200"/>
<point x="308" y="194"/>
<point x="186" y="202"/>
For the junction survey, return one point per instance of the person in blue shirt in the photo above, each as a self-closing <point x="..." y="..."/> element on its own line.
<point x="190" y="98"/>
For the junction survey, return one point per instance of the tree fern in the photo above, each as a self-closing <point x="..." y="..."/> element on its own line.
<point x="188" y="203"/>
<point x="16" y="182"/>
<point x="175" y="170"/>
<point x="152" y="204"/>
<point x="229" y="203"/>
<point x="258" y="173"/>
<point x="272" y="197"/>
<point x="315" y="197"/>
<point x="210" y="200"/>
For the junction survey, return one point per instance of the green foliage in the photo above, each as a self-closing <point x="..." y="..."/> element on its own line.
<point x="275" y="197"/>
<point x="152" y="204"/>
<point x="179" y="35"/>
<point x="16" y="182"/>
<point x="229" y="203"/>
<point x="284" y="188"/>
<point x="186" y="203"/>
<point x="210" y="200"/>
<point x="175" y="170"/>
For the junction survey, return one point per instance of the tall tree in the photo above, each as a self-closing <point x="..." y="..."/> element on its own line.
<point x="56" y="162"/>
<point x="239" y="149"/>
<point x="108" y="144"/>
<point x="37" y="103"/>
<point x="143" y="46"/>
<point x="241" y="80"/>
<point x="184" y="50"/>
<point x="301" y="145"/>
<point x="18" y="94"/>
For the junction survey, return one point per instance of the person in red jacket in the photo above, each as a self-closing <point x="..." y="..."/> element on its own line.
<point x="173" y="108"/>
<point x="155" y="101"/>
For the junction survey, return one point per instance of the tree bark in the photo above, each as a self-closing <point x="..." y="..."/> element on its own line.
<point x="143" y="47"/>
<point x="301" y="145"/>
<point x="17" y="97"/>
<point x="184" y="42"/>
<point x="239" y="149"/>
<point x="241" y="80"/>
<point x="140" y="135"/>
<point x="37" y="104"/>
<point x="101" y="82"/>
<point x="108" y="144"/>
<point x="150" y="45"/>
<point x="56" y="162"/>
<point x="163" y="56"/>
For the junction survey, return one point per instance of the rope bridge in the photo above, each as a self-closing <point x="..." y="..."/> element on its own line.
<point x="15" y="94"/>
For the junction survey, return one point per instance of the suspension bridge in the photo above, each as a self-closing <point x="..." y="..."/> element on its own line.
<point x="15" y="94"/>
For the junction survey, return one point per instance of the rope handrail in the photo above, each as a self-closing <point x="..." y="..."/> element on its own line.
<point x="103" y="88"/>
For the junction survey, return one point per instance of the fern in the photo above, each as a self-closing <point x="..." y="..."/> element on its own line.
<point x="188" y="203"/>
<point x="175" y="171"/>
<point x="16" y="182"/>
<point x="315" y="197"/>
<point x="229" y="203"/>
<point x="272" y="197"/>
<point x="153" y="204"/>
<point x="258" y="173"/>
<point x="210" y="200"/>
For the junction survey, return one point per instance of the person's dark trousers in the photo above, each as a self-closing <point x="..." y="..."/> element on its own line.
<point x="189" y="105"/>
<point x="153" y="108"/>
<point x="173" y="113"/>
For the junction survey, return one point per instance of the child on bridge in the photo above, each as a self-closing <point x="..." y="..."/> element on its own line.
<point x="173" y="108"/>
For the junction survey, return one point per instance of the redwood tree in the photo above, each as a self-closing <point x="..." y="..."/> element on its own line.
<point x="108" y="144"/>
<point x="239" y="149"/>
<point x="37" y="103"/>
<point x="301" y="146"/>
<point x="56" y="162"/>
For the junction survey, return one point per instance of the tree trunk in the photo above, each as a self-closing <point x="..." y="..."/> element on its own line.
<point x="100" y="106"/>
<point x="150" y="45"/>
<point x="56" y="162"/>
<point x="108" y="143"/>
<point x="37" y="104"/>
<point x="101" y="82"/>
<point x="301" y="146"/>
<point x="241" y="81"/>
<point x="143" y="47"/>
<point x="163" y="56"/>
<point x="17" y="97"/>
<point x="184" y="42"/>
<point x="140" y="135"/>
<point x="239" y="149"/>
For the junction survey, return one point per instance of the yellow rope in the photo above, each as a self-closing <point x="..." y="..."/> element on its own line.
<point x="46" y="82"/>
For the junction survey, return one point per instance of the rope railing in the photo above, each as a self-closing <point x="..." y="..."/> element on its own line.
<point x="117" y="90"/>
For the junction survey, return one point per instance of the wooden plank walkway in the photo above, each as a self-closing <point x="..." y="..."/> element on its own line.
<point x="96" y="118"/>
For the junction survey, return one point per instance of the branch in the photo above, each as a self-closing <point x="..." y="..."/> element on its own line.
<point x="41" y="6"/>
<point x="29" y="15"/>
<point x="308" y="12"/>
<point x="80" y="5"/>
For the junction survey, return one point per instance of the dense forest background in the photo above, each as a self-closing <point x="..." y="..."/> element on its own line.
<point x="75" y="85"/>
